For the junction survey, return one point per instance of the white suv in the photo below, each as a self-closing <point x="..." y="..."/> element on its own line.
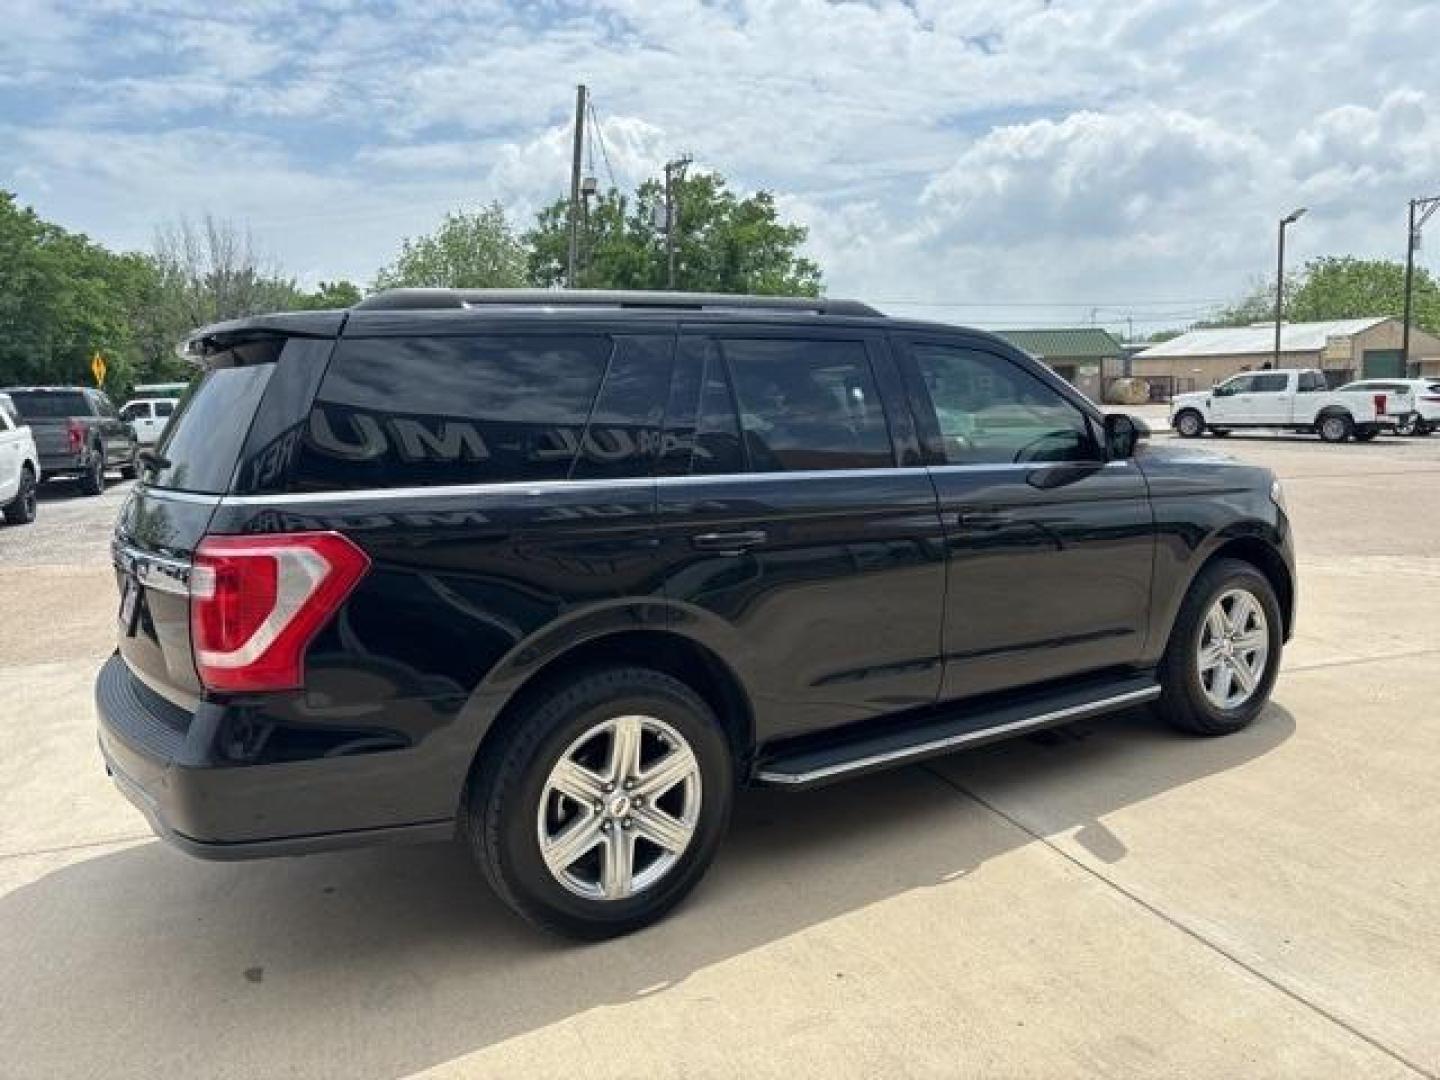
<point x="1417" y="399"/>
<point x="19" y="466"/>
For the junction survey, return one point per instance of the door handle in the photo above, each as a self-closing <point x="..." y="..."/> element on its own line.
<point x="984" y="519"/>
<point x="730" y="543"/>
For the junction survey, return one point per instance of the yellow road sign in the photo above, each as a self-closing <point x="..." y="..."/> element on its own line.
<point x="97" y="368"/>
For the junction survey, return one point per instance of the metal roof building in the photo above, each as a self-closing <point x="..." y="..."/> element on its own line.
<point x="1083" y="355"/>
<point x="1344" y="349"/>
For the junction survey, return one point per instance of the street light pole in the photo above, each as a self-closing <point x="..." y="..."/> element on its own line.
<point x="1288" y="219"/>
<point x="1425" y="207"/>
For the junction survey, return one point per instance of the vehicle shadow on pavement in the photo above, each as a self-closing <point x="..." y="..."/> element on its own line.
<point x="379" y="963"/>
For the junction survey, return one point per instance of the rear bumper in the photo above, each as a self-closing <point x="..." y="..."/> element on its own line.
<point x="52" y="465"/>
<point x="158" y="755"/>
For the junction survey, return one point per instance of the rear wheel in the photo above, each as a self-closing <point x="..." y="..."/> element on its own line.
<point x="22" y="509"/>
<point x="602" y="806"/>
<point x="1190" y="424"/>
<point x="92" y="480"/>
<point x="1335" y="427"/>
<point x="1224" y="652"/>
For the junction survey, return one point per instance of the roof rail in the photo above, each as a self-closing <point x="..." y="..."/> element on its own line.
<point x="442" y="299"/>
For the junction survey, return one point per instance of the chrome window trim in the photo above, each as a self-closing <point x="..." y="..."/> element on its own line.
<point x="544" y="487"/>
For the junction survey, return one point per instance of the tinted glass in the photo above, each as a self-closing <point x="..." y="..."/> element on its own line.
<point x="1239" y="385"/>
<point x="164" y="408"/>
<point x="991" y="411"/>
<point x="1269" y="384"/>
<point x="717" y="426"/>
<point x="202" y="443"/>
<point x="139" y="410"/>
<point x="50" y="404"/>
<point x="624" y="430"/>
<point x="808" y="405"/>
<point x="403" y="412"/>
<point x="1311" y="380"/>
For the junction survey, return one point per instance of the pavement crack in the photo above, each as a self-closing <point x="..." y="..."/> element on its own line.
<point x="1188" y="931"/>
<point x="75" y="847"/>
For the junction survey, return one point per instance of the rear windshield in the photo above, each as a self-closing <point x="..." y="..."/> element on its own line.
<point x="202" y="443"/>
<point x="50" y="404"/>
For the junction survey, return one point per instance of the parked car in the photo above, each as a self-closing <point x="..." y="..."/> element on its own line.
<point x="19" y="466"/>
<point x="1417" y="401"/>
<point x="79" y="433"/>
<point x="148" y="416"/>
<point x="1287" y="399"/>
<point x="557" y="572"/>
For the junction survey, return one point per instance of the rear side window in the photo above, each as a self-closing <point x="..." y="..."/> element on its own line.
<point x="164" y="408"/>
<point x="1269" y="384"/>
<point x="1311" y="381"/>
<point x="717" y="448"/>
<point x="808" y="405"/>
<point x="50" y="404"/>
<point x="403" y="412"/>
<point x="622" y="435"/>
<point x="201" y="445"/>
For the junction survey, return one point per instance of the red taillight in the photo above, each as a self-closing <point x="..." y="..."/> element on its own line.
<point x="257" y="601"/>
<point x="1379" y="404"/>
<point x="75" y="433"/>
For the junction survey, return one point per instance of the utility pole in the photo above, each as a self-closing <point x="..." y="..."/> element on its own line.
<point x="574" y="259"/>
<point x="1288" y="219"/>
<point x="1424" y="208"/>
<point x="674" y="173"/>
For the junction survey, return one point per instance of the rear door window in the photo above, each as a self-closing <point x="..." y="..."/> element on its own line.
<point x="807" y="404"/>
<point x="622" y="434"/>
<point x="424" y="411"/>
<point x="1269" y="384"/>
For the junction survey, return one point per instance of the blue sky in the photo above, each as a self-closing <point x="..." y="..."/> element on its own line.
<point x="1007" y="162"/>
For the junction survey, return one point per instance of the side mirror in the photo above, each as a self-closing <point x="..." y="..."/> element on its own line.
<point x="1122" y="434"/>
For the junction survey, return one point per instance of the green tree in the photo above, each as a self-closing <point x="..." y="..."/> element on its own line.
<point x="723" y="243"/>
<point x="62" y="299"/>
<point x="470" y="250"/>
<point x="331" y="294"/>
<point x="1343" y="287"/>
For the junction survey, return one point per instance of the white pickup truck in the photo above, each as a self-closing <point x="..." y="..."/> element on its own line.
<point x="1290" y="399"/>
<point x="19" y="466"/>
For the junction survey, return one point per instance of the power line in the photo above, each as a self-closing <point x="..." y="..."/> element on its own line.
<point x="1086" y="304"/>
<point x="600" y="138"/>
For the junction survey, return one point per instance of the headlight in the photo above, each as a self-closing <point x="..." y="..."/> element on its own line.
<point x="1277" y="494"/>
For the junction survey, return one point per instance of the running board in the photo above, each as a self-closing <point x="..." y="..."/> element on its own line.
<point x="898" y="745"/>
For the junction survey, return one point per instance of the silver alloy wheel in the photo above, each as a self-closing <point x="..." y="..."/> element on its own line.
<point x="619" y="808"/>
<point x="1333" y="428"/>
<point x="1233" y="649"/>
<point x="1189" y="424"/>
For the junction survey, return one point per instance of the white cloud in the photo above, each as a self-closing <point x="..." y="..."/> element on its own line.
<point x="1059" y="152"/>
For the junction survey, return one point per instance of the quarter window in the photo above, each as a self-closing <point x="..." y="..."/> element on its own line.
<point x="990" y="411"/>
<point x="807" y="404"/>
<point x="397" y="412"/>
<point x="717" y="425"/>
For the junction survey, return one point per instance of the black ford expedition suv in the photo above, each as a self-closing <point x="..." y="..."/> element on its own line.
<point x="557" y="572"/>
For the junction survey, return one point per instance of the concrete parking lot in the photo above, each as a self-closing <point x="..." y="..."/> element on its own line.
<point x="1109" y="899"/>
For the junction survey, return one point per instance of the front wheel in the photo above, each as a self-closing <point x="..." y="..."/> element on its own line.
<point x="1224" y="651"/>
<point x="602" y="806"/>
<point x="1190" y="424"/>
<point x="1336" y="427"/>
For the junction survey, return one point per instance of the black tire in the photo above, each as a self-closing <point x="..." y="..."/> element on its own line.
<point x="504" y="799"/>
<point x="1183" y="701"/>
<point x="1189" y="424"/>
<point x="130" y="471"/>
<point x="92" y="480"/>
<point x="1335" y="427"/>
<point x="21" y="510"/>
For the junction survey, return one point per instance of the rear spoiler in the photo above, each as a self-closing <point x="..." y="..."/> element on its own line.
<point x="218" y="337"/>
